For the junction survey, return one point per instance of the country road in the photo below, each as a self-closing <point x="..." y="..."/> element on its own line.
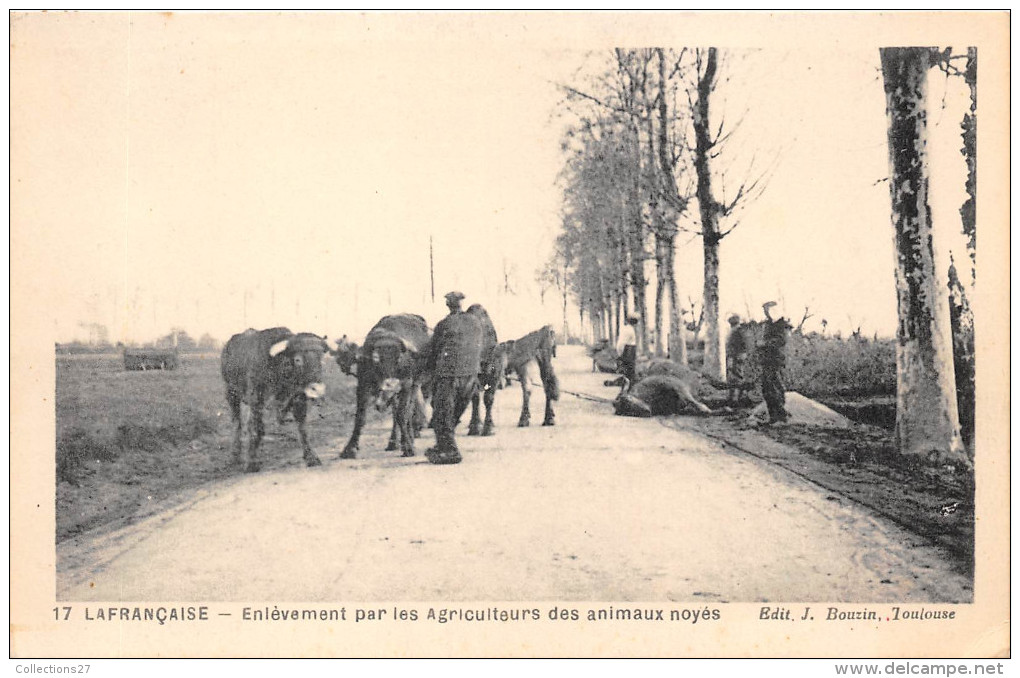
<point x="597" y="508"/>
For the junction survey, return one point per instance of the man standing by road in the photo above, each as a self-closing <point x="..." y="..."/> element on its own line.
<point x="454" y="360"/>
<point x="736" y="361"/>
<point x="772" y="356"/>
<point x="626" y="347"/>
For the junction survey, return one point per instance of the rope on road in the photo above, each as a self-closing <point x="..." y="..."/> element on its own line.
<point x="585" y="396"/>
<point x="576" y="394"/>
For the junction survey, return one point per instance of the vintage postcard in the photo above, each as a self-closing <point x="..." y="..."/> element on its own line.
<point x="509" y="334"/>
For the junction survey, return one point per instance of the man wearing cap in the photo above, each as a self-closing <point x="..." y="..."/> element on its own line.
<point x="772" y="357"/>
<point x="736" y="360"/>
<point x="626" y="347"/>
<point x="454" y="359"/>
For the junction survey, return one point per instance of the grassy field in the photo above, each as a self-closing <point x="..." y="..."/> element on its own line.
<point x="126" y="441"/>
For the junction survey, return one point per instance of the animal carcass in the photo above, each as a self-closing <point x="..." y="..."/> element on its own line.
<point x="658" y="394"/>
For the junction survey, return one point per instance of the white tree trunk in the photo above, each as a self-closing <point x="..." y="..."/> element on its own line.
<point x="715" y="345"/>
<point x="927" y="421"/>
<point x="677" y="335"/>
<point x="715" y="349"/>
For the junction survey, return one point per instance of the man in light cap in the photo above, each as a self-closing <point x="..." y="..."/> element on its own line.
<point x="736" y="360"/>
<point x="454" y="359"/>
<point x="453" y="300"/>
<point x="626" y="347"/>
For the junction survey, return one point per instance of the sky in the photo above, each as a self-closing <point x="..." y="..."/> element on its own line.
<point x="218" y="172"/>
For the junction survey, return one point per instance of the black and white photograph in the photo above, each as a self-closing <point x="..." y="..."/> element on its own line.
<point x="509" y="334"/>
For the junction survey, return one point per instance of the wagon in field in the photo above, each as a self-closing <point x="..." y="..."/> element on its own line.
<point x="150" y="359"/>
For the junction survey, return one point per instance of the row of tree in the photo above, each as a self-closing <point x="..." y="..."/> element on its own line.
<point x="647" y="158"/>
<point x="643" y="153"/>
<point x="178" y="338"/>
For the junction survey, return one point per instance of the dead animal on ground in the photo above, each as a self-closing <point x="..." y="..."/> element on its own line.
<point x="659" y="394"/>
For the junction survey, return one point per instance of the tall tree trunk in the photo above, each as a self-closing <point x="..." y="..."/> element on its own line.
<point x="660" y="288"/>
<point x="604" y="307"/>
<point x="927" y="421"/>
<point x="637" y="270"/>
<point x="618" y="302"/>
<point x="566" y="329"/>
<point x="715" y="349"/>
<point x="677" y="339"/>
<point x="626" y="263"/>
<point x="624" y="285"/>
<point x="656" y="210"/>
<point x="607" y="319"/>
<point x="677" y="335"/>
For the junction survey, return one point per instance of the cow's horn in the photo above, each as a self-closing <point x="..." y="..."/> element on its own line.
<point x="278" y="348"/>
<point x="408" y="346"/>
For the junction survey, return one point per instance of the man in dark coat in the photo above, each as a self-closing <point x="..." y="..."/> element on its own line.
<point x="772" y="357"/>
<point x="736" y="361"/>
<point x="454" y="360"/>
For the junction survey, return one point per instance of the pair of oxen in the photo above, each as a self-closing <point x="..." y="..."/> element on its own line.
<point x="391" y="371"/>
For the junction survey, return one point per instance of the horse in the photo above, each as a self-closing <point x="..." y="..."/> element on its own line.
<point x="536" y="347"/>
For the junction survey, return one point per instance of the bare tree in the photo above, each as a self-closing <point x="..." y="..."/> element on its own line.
<point x="608" y="161"/>
<point x="717" y="213"/>
<point x="631" y="85"/>
<point x="554" y="274"/>
<point x="697" y="319"/>
<point x="678" y="202"/>
<point x="927" y="420"/>
<point x="807" y="314"/>
<point x="593" y="246"/>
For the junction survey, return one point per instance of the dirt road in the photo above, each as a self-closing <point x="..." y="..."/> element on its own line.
<point x="596" y="508"/>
